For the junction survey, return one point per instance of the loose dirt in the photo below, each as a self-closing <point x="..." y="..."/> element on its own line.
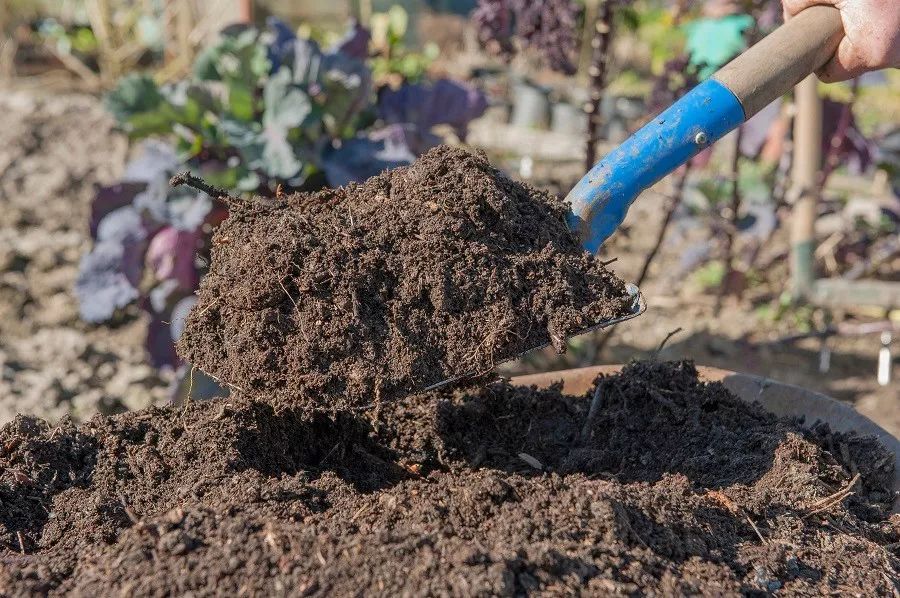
<point x="376" y="290"/>
<point x="673" y="487"/>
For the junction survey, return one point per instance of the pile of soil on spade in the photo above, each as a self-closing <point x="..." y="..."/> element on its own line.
<point x="380" y="289"/>
<point x="673" y="487"/>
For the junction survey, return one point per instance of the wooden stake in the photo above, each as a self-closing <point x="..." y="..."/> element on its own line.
<point x="807" y="161"/>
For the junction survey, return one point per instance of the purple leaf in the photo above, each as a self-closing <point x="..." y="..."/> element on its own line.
<point x="179" y="315"/>
<point x="188" y="212"/>
<point x="171" y="256"/>
<point x="151" y="202"/>
<point x="167" y="307"/>
<point x="122" y="225"/>
<point x="109" y="276"/>
<point x="156" y="160"/>
<point x="770" y="17"/>
<point x="281" y="46"/>
<point x="112" y="198"/>
<point x="125" y="227"/>
<point x="159" y="343"/>
<point x="362" y="157"/>
<point x="161" y="295"/>
<point x="855" y="151"/>
<point x="426" y="105"/>
<point x="355" y="42"/>
<point x="307" y="65"/>
<point x="102" y="286"/>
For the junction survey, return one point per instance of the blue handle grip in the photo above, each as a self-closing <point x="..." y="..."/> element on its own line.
<point x="601" y="199"/>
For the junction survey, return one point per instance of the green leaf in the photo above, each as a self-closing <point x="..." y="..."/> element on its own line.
<point x="240" y="101"/>
<point x="238" y="58"/>
<point x="398" y="21"/>
<point x="346" y="84"/>
<point x="280" y="159"/>
<point x="247" y="138"/>
<point x="247" y="181"/>
<point x="191" y="102"/>
<point x="152" y="122"/>
<point x="286" y="106"/>
<point x="133" y="94"/>
<point x="713" y="42"/>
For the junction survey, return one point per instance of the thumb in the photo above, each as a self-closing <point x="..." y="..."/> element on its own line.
<point x="847" y="63"/>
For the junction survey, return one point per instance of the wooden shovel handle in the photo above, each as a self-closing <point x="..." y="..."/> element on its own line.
<point x="783" y="58"/>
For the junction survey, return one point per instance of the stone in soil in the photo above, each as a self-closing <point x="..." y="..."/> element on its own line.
<point x="376" y="290"/>
<point x="675" y="487"/>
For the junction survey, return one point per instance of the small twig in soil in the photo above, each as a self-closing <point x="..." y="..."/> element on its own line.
<point x="622" y="512"/>
<point x="21" y="542"/>
<point x="829" y="501"/>
<point x="195" y="182"/>
<point x="135" y="520"/>
<point x="296" y="308"/>
<point x="755" y="529"/>
<point x="610" y="261"/>
<point x="187" y="399"/>
<point x="662" y="345"/>
<point x="331" y="452"/>
<point x="592" y="411"/>
<point x="208" y="306"/>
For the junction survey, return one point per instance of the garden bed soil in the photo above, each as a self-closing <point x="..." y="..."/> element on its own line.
<point x="376" y="290"/>
<point x="673" y="487"/>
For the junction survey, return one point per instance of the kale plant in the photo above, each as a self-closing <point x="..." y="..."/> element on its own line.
<point x="263" y="112"/>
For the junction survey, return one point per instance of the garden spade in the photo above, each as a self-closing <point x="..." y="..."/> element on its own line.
<point x="739" y="90"/>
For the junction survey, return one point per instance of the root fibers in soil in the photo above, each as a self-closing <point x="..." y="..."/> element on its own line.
<point x="674" y="487"/>
<point x="377" y="290"/>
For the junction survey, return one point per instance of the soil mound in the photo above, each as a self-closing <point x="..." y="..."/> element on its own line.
<point x="673" y="487"/>
<point x="374" y="291"/>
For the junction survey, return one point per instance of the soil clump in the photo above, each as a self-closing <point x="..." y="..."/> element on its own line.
<point x="674" y="486"/>
<point x="376" y="290"/>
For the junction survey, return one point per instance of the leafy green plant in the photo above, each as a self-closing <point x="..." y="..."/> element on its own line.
<point x="393" y="62"/>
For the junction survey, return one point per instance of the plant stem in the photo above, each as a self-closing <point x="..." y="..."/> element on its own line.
<point x="832" y="157"/>
<point x="731" y="231"/>
<point x="600" y="45"/>
<point x="674" y="202"/>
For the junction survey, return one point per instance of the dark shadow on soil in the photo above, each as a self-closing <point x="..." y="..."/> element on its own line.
<point x="648" y="424"/>
<point x="288" y="441"/>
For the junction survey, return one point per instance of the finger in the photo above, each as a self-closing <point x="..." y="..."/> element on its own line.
<point x="792" y="7"/>
<point x="847" y="63"/>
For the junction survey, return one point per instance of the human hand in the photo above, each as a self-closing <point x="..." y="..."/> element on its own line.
<point x="871" y="36"/>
